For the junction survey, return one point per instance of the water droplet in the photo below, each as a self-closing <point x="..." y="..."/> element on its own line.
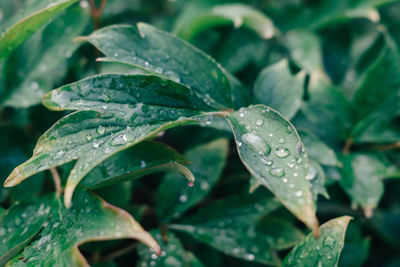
<point x="101" y="129"/>
<point x="277" y="172"/>
<point x="259" y="122"/>
<point x="295" y="174"/>
<point x="311" y="174"/>
<point x="298" y="193"/>
<point x="18" y="221"/>
<point x="282" y="152"/>
<point x="256" y="143"/>
<point x="241" y="114"/>
<point x="281" y="140"/>
<point x="266" y="161"/>
<point x="88" y="137"/>
<point x="119" y="140"/>
<point x="249" y="257"/>
<point x="142" y="164"/>
<point x="2" y="231"/>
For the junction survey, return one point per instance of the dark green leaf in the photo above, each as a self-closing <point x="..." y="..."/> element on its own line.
<point x="27" y="20"/>
<point x="174" y="197"/>
<point x="271" y="150"/>
<point x="41" y="61"/>
<point x="229" y="225"/>
<point x="172" y="253"/>
<point x="322" y="251"/>
<point x="62" y="229"/>
<point x="140" y="160"/>
<point x="278" y="88"/>
<point x="115" y="112"/>
<point x="163" y="54"/>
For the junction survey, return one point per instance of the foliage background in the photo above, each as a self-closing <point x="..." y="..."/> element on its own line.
<point x="331" y="67"/>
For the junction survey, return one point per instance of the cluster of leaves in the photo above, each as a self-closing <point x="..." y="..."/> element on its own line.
<point x="262" y="107"/>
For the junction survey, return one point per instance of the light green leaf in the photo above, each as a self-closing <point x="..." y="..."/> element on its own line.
<point x="278" y="88"/>
<point x="42" y="60"/>
<point x="318" y="150"/>
<point x="322" y="251"/>
<point x="306" y="50"/>
<point x="162" y="54"/>
<point x="174" y="197"/>
<point x="115" y="112"/>
<point x="62" y="230"/>
<point x="27" y="20"/>
<point x="317" y="179"/>
<point x="362" y="176"/>
<point x="230" y="225"/>
<point x="271" y="150"/>
<point x="198" y="18"/>
<point x="138" y="161"/>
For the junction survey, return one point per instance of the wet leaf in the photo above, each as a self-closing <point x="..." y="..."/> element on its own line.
<point x="140" y="160"/>
<point x="318" y="150"/>
<point x="322" y="251"/>
<point x="200" y="17"/>
<point x="278" y="88"/>
<point x="62" y="230"/>
<point x="174" y="196"/>
<point x="172" y="253"/>
<point x="115" y="112"/>
<point x="164" y="55"/>
<point x="27" y="20"/>
<point x="229" y="225"/>
<point x="271" y="150"/>
<point x="41" y="61"/>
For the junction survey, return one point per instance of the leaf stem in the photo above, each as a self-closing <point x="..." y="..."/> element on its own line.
<point x="96" y="12"/>
<point x="347" y="146"/>
<point x="57" y="181"/>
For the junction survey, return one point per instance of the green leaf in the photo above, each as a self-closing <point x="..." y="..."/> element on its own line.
<point x="328" y="111"/>
<point x="62" y="230"/>
<point x="318" y="150"/>
<point x="115" y="113"/>
<point x="381" y="81"/>
<point x="41" y="61"/>
<point x="174" y="197"/>
<point x="199" y="17"/>
<point x="317" y="179"/>
<point x="306" y="50"/>
<point x="322" y="251"/>
<point x="271" y="150"/>
<point x="27" y="20"/>
<point x="229" y="225"/>
<point x="138" y="161"/>
<point x="362" y="176"/>
<point x="278" y="88"/>
<point x="172" y="253"/>
<point x="162" y="54"/>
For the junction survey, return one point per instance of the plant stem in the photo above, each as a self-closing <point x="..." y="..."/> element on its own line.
<point x="96" y="12"/>
<point x="347" y="146"/>
<point x="57" y="181"/>
<point x="119" y="253"/>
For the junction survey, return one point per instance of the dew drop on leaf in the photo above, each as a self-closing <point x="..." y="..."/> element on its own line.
<point x="256" y="143"/>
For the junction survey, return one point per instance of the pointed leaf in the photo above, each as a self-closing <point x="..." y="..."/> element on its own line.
<point x="322" y="251"/>
<point x="362" y="176"/>
<point x="318" y="150"/>
<point x="174" y="197"/>
<point x="162" y="54"/>
<point x="172" y="253"/>
<point x="42" y="60"/>
<point x="271" y="150"/>
<point x="140" y="160"/>
<point x="27" y="20"/>
<point x="57" y="243"/>
<point x="229" y="225"/>
<point x="278" y="88"/>
<point x="115" y="112"/>
<point x="198" y="18"/>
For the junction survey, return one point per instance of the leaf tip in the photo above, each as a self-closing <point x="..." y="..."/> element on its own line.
<point x="14" y="178"/>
